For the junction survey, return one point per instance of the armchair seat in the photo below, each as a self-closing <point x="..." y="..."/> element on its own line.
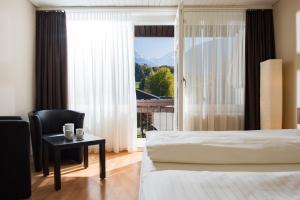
<point x="47" y="122"/>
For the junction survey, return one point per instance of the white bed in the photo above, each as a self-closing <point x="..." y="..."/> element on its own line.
<point x="176" y="181"/>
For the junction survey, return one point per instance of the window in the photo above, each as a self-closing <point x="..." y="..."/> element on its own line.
<point x="154" y="74"/>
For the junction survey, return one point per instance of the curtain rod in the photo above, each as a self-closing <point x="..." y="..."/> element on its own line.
<point x="233" y="7"/>
<point x="186" y="8"/>
<point x="113" y="8"/>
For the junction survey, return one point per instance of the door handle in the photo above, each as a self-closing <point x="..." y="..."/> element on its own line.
<point x="184" y="82"/>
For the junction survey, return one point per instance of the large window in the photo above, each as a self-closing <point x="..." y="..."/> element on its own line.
<point x="154" y="65"/>
<point x="154" y="75"/>
<point x="214" y="70"/>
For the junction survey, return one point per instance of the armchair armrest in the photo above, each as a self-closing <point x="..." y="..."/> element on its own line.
<point x="36" y="139"/>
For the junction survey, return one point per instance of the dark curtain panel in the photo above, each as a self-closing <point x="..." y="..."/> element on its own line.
<point x="260" y="46"/>
<point x="51" y="60"/>
<point x="154" y="31"/>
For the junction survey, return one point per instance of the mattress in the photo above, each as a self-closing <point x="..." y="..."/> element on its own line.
<point x="174" y="181"/>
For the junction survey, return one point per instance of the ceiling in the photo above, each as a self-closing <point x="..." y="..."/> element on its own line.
<point x="64" y="3"/>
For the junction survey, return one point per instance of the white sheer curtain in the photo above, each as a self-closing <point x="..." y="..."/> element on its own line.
<point x="214" y="64"/>
<point x="101" y="75"/>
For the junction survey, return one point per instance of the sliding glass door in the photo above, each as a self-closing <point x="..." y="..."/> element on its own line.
<point x="210" y="72"/>
<point x="178" y="68"/>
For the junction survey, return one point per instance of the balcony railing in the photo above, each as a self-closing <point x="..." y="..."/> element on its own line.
<point x="155" y="114"/>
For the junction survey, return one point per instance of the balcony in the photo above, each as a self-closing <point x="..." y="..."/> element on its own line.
<point x="154" y="114"/>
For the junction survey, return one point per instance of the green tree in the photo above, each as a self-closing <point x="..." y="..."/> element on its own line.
<point x="146" y="70"/>
<point x="142" y="85"/>
<point x="170" y="67"/>
<point x="161" y="82"/>
<point x="139" y="74"/>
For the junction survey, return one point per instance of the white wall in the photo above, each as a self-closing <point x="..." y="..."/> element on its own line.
<point x="17" y="49"/>
<point x="286" y="48"/>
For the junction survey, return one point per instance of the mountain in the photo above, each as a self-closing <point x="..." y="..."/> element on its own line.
<point x="167" y="59"/>
<point x="142" y="60"/>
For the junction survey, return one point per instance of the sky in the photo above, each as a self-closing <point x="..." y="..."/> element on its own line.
<point x="153" y="47"/>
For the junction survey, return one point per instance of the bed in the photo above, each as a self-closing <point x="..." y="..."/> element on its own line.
<point x="169" y="171"/>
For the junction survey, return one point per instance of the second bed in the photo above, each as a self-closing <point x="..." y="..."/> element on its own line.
<point x="188" y="174"/>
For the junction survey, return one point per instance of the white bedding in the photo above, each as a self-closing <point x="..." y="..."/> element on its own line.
<point x="191" y="185"/>
<point x="186" y="181"/>
<point x="225" y="147"/>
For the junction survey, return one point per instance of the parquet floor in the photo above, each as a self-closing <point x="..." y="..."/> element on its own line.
<point x="122" y="182"/>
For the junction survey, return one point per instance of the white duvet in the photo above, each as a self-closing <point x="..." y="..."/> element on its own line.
<point x="225" y="147"/>
<point x="191" y="185"/>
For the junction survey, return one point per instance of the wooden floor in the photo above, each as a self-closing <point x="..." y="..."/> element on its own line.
<point x="122" y="182"/>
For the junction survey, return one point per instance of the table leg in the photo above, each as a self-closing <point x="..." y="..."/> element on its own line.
<point x="45" y="159"/>
<point x="86" y="156"/>
<point x="57" y="178"/>
<point x="102" y="160"/>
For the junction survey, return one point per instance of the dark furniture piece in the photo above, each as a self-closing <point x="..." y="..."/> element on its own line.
<point x="58" y="143"/>
<point x="47" y="122"/>
<point x="15" y="175"/>
<point x="10" y="118"/>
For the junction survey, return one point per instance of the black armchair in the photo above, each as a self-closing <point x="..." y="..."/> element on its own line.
<point x="50" y="122"/>
<point x="15" y="158"/>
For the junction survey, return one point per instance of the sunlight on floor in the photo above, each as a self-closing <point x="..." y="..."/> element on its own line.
<point x="122" y="171"/>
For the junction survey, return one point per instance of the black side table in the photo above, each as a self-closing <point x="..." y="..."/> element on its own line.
<point x="58" y="142"/>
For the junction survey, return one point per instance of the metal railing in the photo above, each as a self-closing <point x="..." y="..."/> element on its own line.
<point x="155" y="114"/>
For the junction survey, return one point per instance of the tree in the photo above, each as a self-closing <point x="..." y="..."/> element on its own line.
<point x="142" y="85"/>
<point x="139" y="74"/>
<point x="146" y="70"/>
<point x="161" y="82"/>
<point x="170" y="67"/>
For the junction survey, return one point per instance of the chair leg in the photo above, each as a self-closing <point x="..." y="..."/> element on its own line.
<point x="37" y="162"/>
